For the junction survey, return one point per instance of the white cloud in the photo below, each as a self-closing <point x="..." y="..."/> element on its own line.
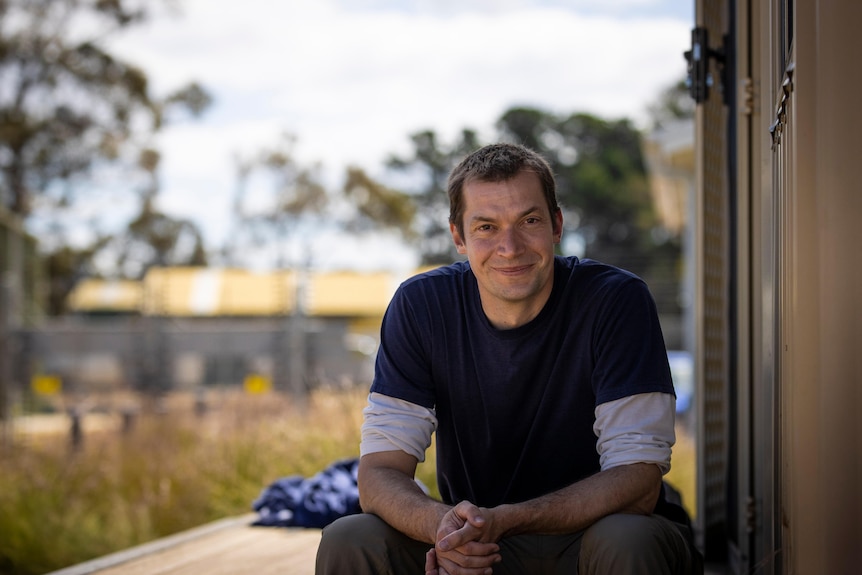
<point x="354" y="84"/>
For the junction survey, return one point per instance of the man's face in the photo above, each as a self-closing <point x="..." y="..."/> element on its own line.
<point x="509" y="237"/>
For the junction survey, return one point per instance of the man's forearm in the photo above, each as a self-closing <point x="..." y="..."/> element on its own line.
<point x="397" y="499"/>
<point x="625" y="489"/>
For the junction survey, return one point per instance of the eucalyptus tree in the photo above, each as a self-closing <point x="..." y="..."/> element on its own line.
<point x="278" y="202"/>
<point x="425" y="173"/>
<point x="66" y="103"/>
<point x="375" y="207"/>
<point x="70" y="109"/>
<point x="152" y="237"/>
<point x="604" y="190"/>
<point x="282" y="205"/>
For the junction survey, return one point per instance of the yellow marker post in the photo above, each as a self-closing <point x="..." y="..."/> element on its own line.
<point x="46" y="385"/>
<point x="256" y="384"/>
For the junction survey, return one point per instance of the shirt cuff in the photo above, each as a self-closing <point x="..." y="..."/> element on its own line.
<point x="636" y="429"/>
<point x="393" y="424"/>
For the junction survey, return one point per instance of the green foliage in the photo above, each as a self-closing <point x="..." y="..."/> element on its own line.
<point x="66" y="103"/>
<point x="603" y="187"/>
<point x="674" y="103"/>
<point x="64" y="266"/>
<point x="275" y="195"/>
<point x="69" y="107"/>
<point x="599" y="168"/>
<point x="154" y="238"/>
<point x="432" y="161"/>
<point x="377" y="205"/>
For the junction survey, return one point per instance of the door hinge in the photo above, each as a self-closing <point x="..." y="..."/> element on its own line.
<point x="750" y="515"/>
<point x="747" y="96"/>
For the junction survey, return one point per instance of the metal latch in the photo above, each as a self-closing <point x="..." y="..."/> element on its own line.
<point x="700" y="79"/>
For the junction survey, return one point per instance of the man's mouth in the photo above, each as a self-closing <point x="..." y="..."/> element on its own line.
<point x="513" y="270"/>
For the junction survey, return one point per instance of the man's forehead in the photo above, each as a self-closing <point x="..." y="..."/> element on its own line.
<point x="496" y="193"/>
<point x="493" y="212"/>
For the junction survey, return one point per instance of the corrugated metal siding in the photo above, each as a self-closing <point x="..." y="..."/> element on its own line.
<point x="712" y="294"/>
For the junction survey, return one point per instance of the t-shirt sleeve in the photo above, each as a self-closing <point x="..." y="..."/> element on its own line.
<point x="630" y="354"/>
<point x="403" y="365"/>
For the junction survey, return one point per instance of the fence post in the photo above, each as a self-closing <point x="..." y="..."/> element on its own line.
<point x="11" y="267"/>
<point x="128" y="415"/>
<point x="5" y="358"/>
<point x="76" y="431"/>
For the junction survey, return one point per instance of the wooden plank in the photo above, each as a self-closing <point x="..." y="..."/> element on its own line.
<point x="225" y="547"/>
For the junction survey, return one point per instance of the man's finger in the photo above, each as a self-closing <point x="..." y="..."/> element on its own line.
<point x="431" y="562"/>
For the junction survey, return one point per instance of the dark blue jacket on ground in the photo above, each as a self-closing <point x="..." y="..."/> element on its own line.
<point x="310" y="502"/>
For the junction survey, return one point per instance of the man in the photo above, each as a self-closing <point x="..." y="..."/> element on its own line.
<point x="546" y="380"/>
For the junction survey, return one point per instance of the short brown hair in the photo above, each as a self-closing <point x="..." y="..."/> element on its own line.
<point x="498" y="163"/>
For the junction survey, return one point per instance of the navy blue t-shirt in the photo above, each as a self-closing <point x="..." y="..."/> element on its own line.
<point x="516" y="407"/>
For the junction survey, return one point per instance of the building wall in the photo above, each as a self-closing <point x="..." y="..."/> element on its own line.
<point x="147" y="353"/>
<point x="816" y="191"/>
<point x="791" y="425"/>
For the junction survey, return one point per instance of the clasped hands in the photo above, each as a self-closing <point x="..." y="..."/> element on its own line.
<point x="466" y="542"/>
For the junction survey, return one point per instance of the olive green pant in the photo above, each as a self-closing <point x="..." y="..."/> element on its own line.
<point x="618" y="544"/>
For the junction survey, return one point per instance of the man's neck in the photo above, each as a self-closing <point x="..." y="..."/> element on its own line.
<point x="504" y="316"/>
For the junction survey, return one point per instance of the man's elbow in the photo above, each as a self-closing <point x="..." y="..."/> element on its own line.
<point x="645" y="502"/>
<point x="381" y="476"/>
<point x="367" y="500"/>
<point x="365" y="482"/>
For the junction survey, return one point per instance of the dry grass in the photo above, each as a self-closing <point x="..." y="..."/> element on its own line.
<point x="178" y="470"/>
<point x="683" y="471"/>
<point x="174" y="471"/>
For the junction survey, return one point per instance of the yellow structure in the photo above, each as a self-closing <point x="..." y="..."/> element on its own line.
<point x="118" y="296"/>
<point x="219" y="292"/>
<point x="349" y="294"/>
<point x="196" y="291"/>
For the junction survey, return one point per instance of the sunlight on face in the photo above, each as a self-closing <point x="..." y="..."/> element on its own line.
<point x="509" y="237"/>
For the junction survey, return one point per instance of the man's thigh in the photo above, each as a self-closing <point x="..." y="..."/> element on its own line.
<point x="637" y="544"/>
<point x="539" y="555"/>
<point x="617" y="544"/>
<point x="364" y="544"/>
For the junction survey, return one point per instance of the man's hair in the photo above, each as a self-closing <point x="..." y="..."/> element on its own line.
<point x="498" y="163"/>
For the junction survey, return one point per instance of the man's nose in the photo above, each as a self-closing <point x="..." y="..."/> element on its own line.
<point x="511" y="242"/>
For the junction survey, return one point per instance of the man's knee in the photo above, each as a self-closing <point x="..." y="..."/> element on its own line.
<point x="341" y="544"/>
<point x="365" y="544"/>
<point x="620" y="531"/>
<point x="625" y="543"/>
<point x="347" y="531"/>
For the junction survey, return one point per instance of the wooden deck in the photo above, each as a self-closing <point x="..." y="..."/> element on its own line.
<point x="225" y="547"/>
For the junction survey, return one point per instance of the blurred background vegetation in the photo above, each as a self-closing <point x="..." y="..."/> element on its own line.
<point x="69" y="108"/>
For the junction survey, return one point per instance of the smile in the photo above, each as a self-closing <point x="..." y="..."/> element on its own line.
<point x="513" y="270"/>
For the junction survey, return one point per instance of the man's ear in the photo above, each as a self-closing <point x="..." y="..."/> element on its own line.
<point x="558" y="225"/>
<point x="456" y="237"/>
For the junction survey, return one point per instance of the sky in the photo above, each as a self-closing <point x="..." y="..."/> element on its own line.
<point x="352" y="79"/>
